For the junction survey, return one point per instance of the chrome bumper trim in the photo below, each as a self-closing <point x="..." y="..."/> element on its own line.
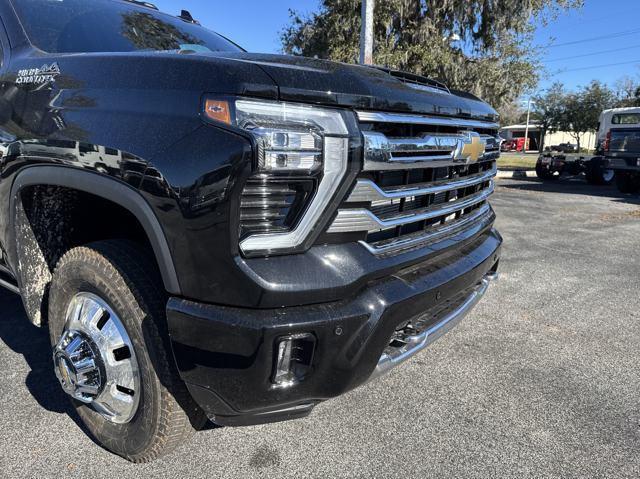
<point x="419" y="342"/>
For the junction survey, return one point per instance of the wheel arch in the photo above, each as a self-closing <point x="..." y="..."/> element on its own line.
<point x="100" y="186"/>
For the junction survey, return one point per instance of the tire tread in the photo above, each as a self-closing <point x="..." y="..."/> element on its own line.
<point x="131" y="270"/>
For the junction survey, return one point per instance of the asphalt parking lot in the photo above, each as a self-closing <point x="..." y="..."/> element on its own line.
<point x="541" y="380"/>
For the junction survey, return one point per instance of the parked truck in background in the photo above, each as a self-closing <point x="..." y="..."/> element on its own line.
<point x="210" y="234"/>
<point x="552" y="165"/>
<point x="621" y="146"/>
<point x="558" y="161"/>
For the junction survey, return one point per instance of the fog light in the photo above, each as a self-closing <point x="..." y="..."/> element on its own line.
<point x="294" y="355"/>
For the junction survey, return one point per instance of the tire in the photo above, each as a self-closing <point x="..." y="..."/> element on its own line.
<point x="596" y="175"/>
<point x="544" y="173"/>
<point x="626" y="182"/>
<point x="124" y="276"/>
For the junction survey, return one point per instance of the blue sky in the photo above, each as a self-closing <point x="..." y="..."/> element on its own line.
<point x="616" y="20"/>
<point x="256" y="25"/>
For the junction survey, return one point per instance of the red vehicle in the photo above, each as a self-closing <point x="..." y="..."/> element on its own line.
<point x="516" y="144"/>
<point x="507" y="145"/>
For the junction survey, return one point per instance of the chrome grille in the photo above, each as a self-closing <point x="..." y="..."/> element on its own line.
<point x="424" y="179"/>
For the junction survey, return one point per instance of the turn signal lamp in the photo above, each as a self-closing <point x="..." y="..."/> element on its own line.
<point x="218" y="110"/>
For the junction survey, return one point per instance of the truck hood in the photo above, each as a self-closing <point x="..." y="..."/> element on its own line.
<point x="331" y="83"/>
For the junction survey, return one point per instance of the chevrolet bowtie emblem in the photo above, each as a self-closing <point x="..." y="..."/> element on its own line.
<point x="472" y="148"/>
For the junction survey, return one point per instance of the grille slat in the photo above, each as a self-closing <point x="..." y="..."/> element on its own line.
<point x="383" y="152"/>
<point x="424" y="179"/>
<point x="407" y="119"/>
<point x="269" y="205"/>
<point x="436" y="232"/>
<point x="367" y="190"/>
<point x="364" y="220"/>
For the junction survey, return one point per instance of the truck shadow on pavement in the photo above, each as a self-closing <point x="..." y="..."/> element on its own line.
<point x="20" y="336"/>
<point x="574" y="185"/>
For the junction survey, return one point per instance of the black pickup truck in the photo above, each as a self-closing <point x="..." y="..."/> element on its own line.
<point x="210" y="234"/>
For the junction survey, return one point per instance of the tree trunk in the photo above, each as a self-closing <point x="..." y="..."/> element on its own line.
<point x="577" y="138"/>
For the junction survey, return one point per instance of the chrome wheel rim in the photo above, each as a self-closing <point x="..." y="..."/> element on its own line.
<point x="95" y="361"/>
<point x="607" y="175"/>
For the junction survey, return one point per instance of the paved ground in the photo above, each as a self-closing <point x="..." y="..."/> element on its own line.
<point x="543" y="379"/>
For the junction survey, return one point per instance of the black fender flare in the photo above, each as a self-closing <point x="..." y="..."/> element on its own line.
<point x="110" y="189"/>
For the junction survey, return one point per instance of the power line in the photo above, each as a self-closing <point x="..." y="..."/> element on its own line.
<point x="596" y="66"/>
<point x="592" y="54"/>
<point x="618" y="14"/>
<point x="593" y="39"/>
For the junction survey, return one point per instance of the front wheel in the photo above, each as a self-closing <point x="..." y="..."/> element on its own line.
<point x="111" y="351"/>
<point x="626" y="182"/>
<point x="544" y="173"/>
<point x="597" y="175"/>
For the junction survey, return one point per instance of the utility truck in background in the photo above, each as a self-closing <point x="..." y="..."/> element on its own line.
<point x="552" y="165"/>
<point x="597" y="169"/>
<point x="620" y="128"/>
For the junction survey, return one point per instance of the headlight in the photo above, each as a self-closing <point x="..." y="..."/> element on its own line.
<point x="302" y="155"/>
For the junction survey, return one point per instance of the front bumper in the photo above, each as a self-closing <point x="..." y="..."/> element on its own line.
<point x="226" y="355"/>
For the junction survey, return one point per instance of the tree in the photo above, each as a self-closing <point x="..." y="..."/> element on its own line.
<point x="148" y="32"/>
<point x="512" y="113"/>
<point x="480" y="46"/>
<point x="582" y="109"/>
<point x="548" y="110"/>
<point x="627" y="92"/>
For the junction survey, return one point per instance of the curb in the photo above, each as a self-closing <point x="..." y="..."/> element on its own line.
<point x="516" y="174"/>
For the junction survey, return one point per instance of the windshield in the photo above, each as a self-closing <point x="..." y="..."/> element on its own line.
<point x="82" y="26"/>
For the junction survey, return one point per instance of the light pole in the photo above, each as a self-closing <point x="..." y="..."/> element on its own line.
<point x="366" y="34"/>
<point x="526" y="131"/>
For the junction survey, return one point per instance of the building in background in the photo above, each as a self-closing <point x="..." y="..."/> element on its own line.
<point x="587" y="140"/>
